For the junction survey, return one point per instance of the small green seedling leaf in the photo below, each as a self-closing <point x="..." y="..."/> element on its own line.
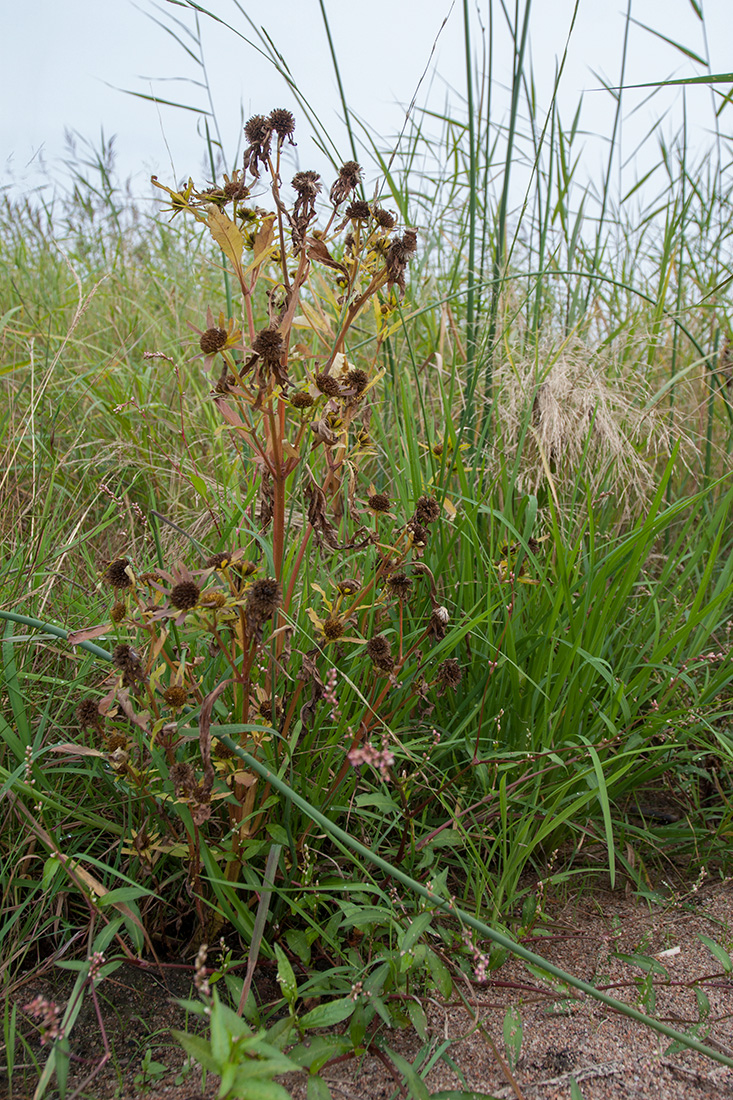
<point x="285" y="976"/>
<point x="718" y="952"/>
<point x="513" y="1034"/>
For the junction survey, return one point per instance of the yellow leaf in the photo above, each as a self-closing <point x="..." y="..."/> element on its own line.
<point x="228" y="236"/>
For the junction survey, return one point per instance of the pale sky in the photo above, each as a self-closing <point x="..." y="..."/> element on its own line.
<point x="63" y="63"/>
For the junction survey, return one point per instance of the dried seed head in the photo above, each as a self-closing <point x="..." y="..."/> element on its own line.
<point x="358" y="211"/>
<point x="183" y="778"/>
<point x="358" y="379"/>
<point x="213" y="598"/>
<point x="333" y="628"/>
<point x="383" y="218"/>
<point x="175" y="695"/>
<point x="398" y="256"/>
<point x="438" y="622"/>
<point x="116" y="741"/>
<point x="399" y="584"/>
<point x="217" y="561"/>
<point x="301" y="400"/>
<point x="307" y="184"/>
<point x="282" y="122"/>
<point x="257" y="130"/>
<point x="348" y="178"/>
<point x="87" y="714"/>
<point x="449" y="673"/>
<point x="236" y="190"/>
<point x="212" y="340"/>
<point x="263" y="599"/>
<point x="268" y="344"/>
<point x="427" y="510"/>
<point x="126" y="658"/>
<point x="378" y="649"/>
<point x="348" y="588"/>
<point x="378" y="502"/>
<point x="116" y="573"/>
<point x="185" y="595"/>
<point x="327" y="384"/>
<point x="118" y="612"/>
<point x="418" y="532"/>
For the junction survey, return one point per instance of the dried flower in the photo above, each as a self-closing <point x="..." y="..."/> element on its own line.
<point x="348" y="587"/>
<point x="268" y="344"/>
<point x="175" y="695"/>
<point x="427" y="510"/>
<point x="217" y="561"/>
<point x="258" y="132"/>
<point x="212" y="598"/>
<point x="383" y="218"/>
<point x="333" y="628"/>
<point x="357" y="379"/>
<point x="212" y="340"/>
<point x="379" y="651"/>
<point x="88" y="715"/>
<point x="126" y="658"/>
<point x="183" y="778"/>
<point x="348" y="179"/>
<point x="301" y="400"/>
<point x="399" y="584"/>
<point x="263" y="599"/>
<point x="185" y="595"/>
<point x="378" y="502"/>
<point x="398" y="256"/>
<point x="118" y="612"/>
<point x="419" y="533"/>
<point x="449" y="674"/>
<point x="358" y="211"/>
<point x="327" y="384"/>
<point x="283" y="123"/>
<point x="118" y="573"/>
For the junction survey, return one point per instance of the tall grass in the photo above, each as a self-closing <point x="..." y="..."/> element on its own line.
<point x="556" y="378"/>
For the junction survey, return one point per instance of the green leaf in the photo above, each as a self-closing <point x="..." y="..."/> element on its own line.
<point x="719" y="952"/>
<point x="317" y="1089"/>
<point x="420" y="925"/>
<point x="575" y="1093"/>
<point x="197" y="1048"/>
<point x="419" y="1019"/>
<point x="285" y="976"/>
<point x="298" y="943"/>
<point x="440" y="974"/>
<point x="513" y="1034"/>
<point x="417" y="1088"/>
<point x="326" y="1015"/>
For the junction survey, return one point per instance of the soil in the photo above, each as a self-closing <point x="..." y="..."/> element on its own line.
<point x="567" y="1043"/>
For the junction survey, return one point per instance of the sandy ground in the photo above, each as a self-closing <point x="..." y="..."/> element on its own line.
<point x="570" y="1048"/>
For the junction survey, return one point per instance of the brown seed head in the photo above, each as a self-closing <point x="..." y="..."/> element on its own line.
<point x="418" y="532"/>
<point x="212" y="340"/>
<point x="217" y="561"/>
<point x="264" y="598"/>
<point x="427" y="510"/>
<point x="358" y="379"/>
<point x="301" y="400"/>
<point x="183" y="778"/>
<point x="282" y="122"/>
<point x="383" y="218"/>
<point x="185" y="595"/>
<point x="118" y="612"/>
<point x="449" y="673"/>
<point x="348" y="588"/>
<point x="327" y="384"/>
<point x="348" y="178"/>
<point x="175" y="695"/>
<point x="333" y="628"/>
<point x="358" y="211"/>
<point x="378" y="502"/>
<point x="126" y="658"/>
<point x="257" y="131"/>
<point x="116" y="573"/>
<point x="87" y="714"/>
<point x="378" y="649"/>
<point x="399" y="584"/>
<point x="212" y="598"/>
<point x="307" y="184"/>
<point x="268" y="344"/>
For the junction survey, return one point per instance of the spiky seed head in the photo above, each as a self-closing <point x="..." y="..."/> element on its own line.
<point x="116" y="573"/>
<point x="268" y="344"/>
<point x="126" y="658"/>
<point x="307" y="184"/>
<point x="118" y="612"/>
<point x="358" y="379"/>
<point x="348" y="587"/>
<point x="257" y="130"/>
<point x="449" y="673"/>
<point x="427" y="510"/>
<point x="282" y="122"/>
<point x="333" y="628"/>
<point x="378" y="502"/>
<point x="383" y="218"/>
<point x="350" y="173"/>
<point x="399" y="584"/>
<point x="185" y="595"/>
<point x="379" y="650"/>
<point x="217" y="561"/>
<point x="264" y="598"/>
<point x="212" y="340"/>
<point x="327" y="384"/>
<point x="358" y="211"/>
<point x="175" y="695"/>
<point x="418" y="532"/>
<point x="301" y="400"/>
<point x="183" y="778"/>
